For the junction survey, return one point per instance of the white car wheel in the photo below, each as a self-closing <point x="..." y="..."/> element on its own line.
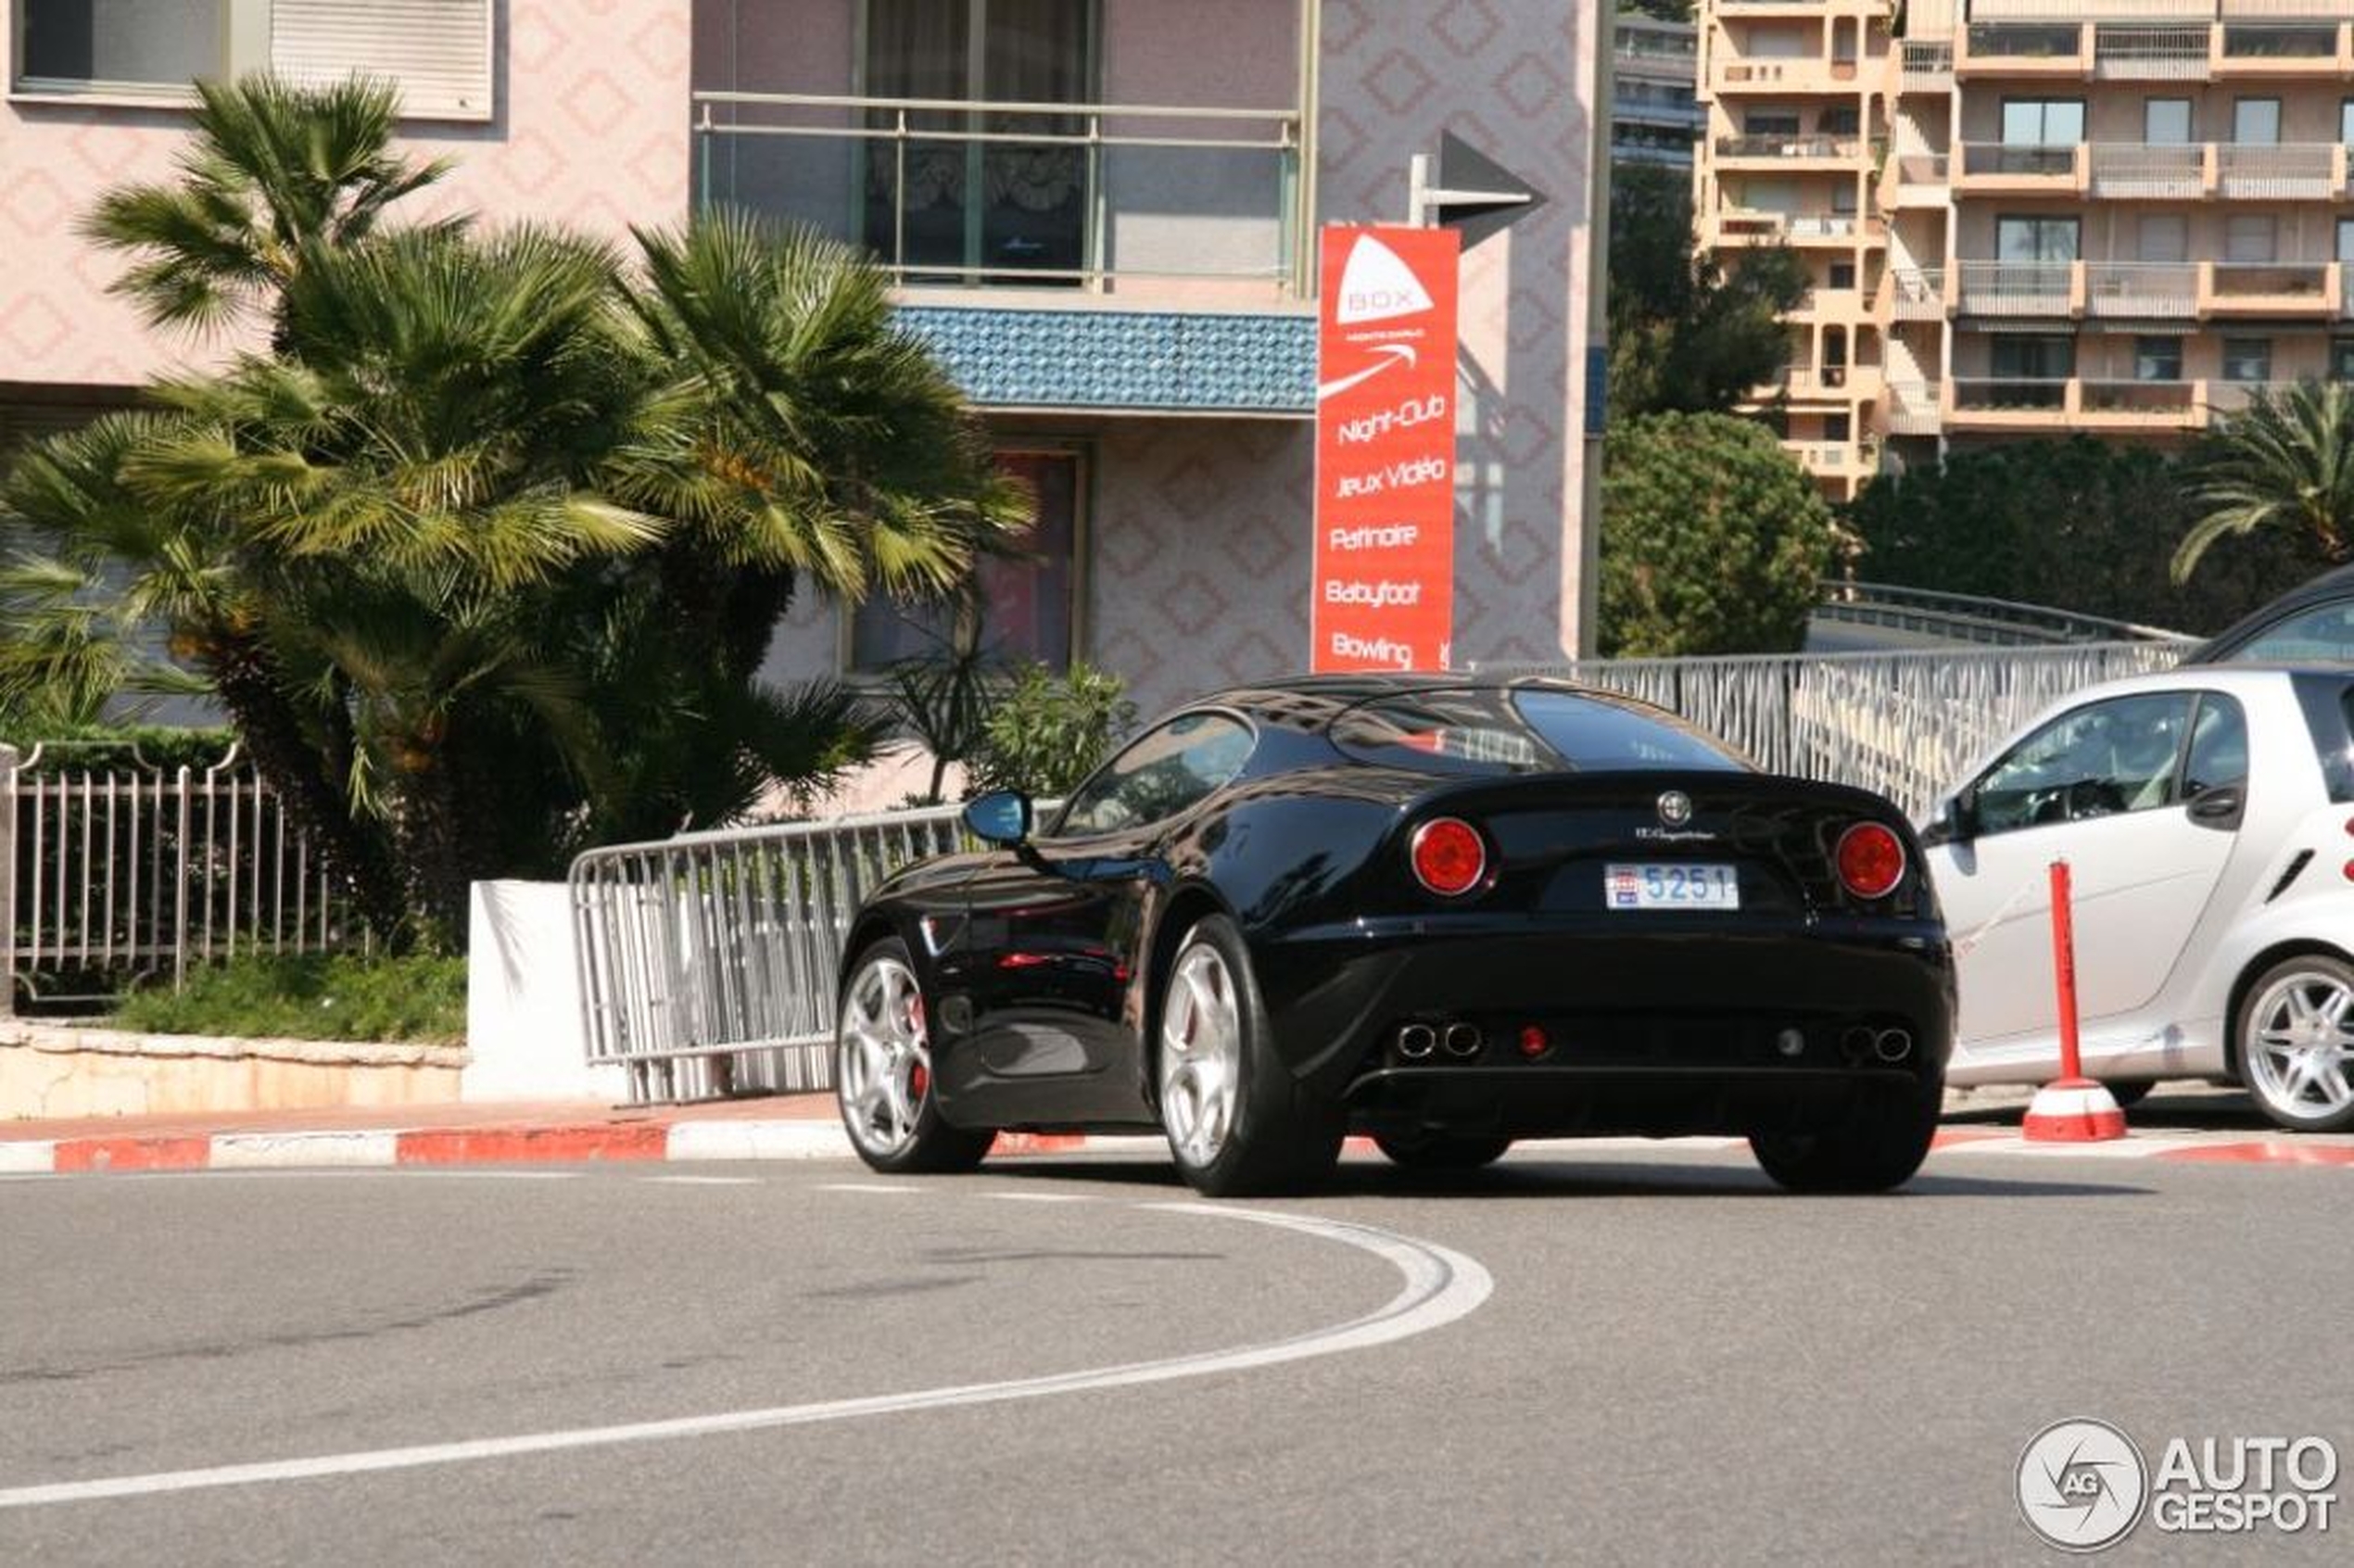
<point x="2296" y="1043"/>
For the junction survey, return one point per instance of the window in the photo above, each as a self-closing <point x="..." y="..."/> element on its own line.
<point x="1026" y="603"/>
<point x="2100" y="760"/>
<point x="2035" y="239"/>
<point x="980" y="193"/>
<point x="1770" y="123"/>
<point x="2342" y="358"/>
<point x="1534" y="730"/>
<point x="1167" y="771"/>
<point x="2321" y="634"/>
<point x="1843" y="121"/>
<point x="2043" y="123"/>
<point x="2248" y="237"/>
<point x="2247" y="359"/>
<point x="2033" y="356"/>
<point x="2256" y="122"/>
<point x="2164" y="236"/>
<point x="2158" y="359"/>
<point x="1843" y="274"/>
<point x="2345" y="121"/>
<point x="2219" y="747"/>
<point x="438" y="52"/>
<point x="2345" y="239"/>
<point x="2166" y="122"/>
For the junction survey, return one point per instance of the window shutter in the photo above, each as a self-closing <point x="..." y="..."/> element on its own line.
<point x="438" y="51"/>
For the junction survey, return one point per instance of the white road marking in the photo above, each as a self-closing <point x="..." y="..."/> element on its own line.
<point x="279" y="1151"/>
<point x="28" y="1156"/>
<point x="1442" y="1285"/>
<point x="862" y="1187"/>
<point x="701" y="1180"/>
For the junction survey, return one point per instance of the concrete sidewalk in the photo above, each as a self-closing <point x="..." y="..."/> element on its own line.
<point x="2195" y="1124"/>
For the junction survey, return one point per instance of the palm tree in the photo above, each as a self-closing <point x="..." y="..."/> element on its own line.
<point x="2285" y="462"/>
<point x="275" y="174"/>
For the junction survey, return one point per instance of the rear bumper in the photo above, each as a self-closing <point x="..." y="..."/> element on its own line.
<point x="1634" y="1021"/>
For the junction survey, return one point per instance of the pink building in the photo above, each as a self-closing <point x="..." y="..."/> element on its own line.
<point x="1102" y="212"/>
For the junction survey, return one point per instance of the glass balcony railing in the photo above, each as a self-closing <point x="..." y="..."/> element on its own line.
<point x="948" y="193"/>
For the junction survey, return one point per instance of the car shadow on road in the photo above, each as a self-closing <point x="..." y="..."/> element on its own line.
<point x="2191" y="1107"/>
<point x="1555" y="1177"/>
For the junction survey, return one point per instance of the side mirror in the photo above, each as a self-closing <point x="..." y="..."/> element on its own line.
<point x="1956" y="819"/>
<point x="1000" y="818"/>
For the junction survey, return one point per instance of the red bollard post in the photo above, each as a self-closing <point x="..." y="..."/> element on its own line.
<point x="2072" y="1109"/>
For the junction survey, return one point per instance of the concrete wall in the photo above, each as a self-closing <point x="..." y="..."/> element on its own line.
<point x="591" y="130"/>
<point x="51" y="1071"/>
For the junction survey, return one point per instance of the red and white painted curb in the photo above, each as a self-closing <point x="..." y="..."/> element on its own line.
<point x="809" y="1138"/>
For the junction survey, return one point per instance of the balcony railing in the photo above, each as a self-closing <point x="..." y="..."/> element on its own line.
<point x="2291" y="172"/>
<point x="2139" y="169"/>
<point x="2018" y="288"/>
<point x="1911" y="410"/>
<point x="2233" y="397"/>
<point x="1928" y="64"/>
<point x="1789" y="146"/>
<point x="2150" y="54"/>
<point x="2030" y="158"/>
<point x="2269" y="284"/>
<point x="1922" y="168"/>
<point x="1075" y="196"/>
<point x="2161" y="290"/>
<point x="2005" y="394"/>
<point x="1916" y="294"/>
<point x="2171" y="400"/>
<point x="2057" y="44"/>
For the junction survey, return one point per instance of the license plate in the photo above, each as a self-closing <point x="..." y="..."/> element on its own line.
<point x="1680" y="886"/>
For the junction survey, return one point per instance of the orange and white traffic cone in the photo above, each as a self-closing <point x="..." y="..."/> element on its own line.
<point x="2072" y="1109"/>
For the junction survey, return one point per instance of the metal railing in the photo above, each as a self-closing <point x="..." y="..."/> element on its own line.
<point x="2149" y="168"/>
<point x="2008" y="393"/>
<point x="110" y="877"/>
<point x="708" y="962"/>
<point x="2018" y="288"/>
<point x="2036" y="158"/>
<point x="2285" y="171"/>
<point x="1786" y="144"/>
<point x="2176" y="400"/>
<point x="1928" y="62"/>
<point x="962" y="193"/>
<point x="2150" y="54"/>
<point x="2154" y="289"/>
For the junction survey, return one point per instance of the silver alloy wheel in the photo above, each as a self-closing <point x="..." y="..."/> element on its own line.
<point x="2300" y="1053"/>
<point x="1201" y="1054"/>
<point x="882" y="1056"/>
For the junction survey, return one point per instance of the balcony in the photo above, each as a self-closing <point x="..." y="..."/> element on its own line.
<point x="2019" y="288"/>
<point x="1916" y="294"/>
<point x="2095" y="10"/>
<point x="2021" y="168"/>
<point x="2131" y="170"/>
<point x="2005" y="402"/>
<point x="2308" y="171"/>
<point x="1920" y="179"/>
<point x="2041" y="49"/>
<point x="2151" y="54"/>
<point x="1840" y="305"/>
<point x="2128" y="406"/>
<point x="1912" y="409"/>
<point x="1926" y="66"/>
<point x="1830" y="460"/>
<point x="1190" y="205"/>
<point x="1841" y="384"/>
<point x="2314" y="47"/>
<point x="1757" y="73"/>
<point x="2141" y="290"/>
<point x="1784" y="149"/>
<point x="2233" y="397"/>
<point x="2269" y="289"/>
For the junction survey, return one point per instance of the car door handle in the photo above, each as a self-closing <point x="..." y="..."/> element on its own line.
<point x="2219" y="807"/>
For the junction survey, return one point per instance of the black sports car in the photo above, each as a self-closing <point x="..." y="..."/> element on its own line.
<point x="1445" y="912"/>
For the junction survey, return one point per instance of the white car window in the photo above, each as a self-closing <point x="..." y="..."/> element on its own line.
<point x="2104" y="758"/>
<point x="2323" y="632"/>
<point x="2219" y="747"/>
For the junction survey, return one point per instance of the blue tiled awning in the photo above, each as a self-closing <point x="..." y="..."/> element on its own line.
<point x="1180" y="362"/>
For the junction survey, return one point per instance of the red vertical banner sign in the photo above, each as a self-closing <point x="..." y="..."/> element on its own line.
<point x="1384" y="584"/>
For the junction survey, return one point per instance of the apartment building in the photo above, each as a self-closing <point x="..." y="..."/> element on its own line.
<point x="1103" y="212"/>
<point x="1654" y="108"/>
<point x="2115" y="217"/>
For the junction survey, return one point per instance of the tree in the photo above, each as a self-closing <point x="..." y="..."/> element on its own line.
<point x="2078" y="523"/>
<point x="2286" y="463"/>
<point x="484" y="556"/>
<point x="1714" y="541"/>
<point x="273" y="175"/>
<point x="1686" y="335"/>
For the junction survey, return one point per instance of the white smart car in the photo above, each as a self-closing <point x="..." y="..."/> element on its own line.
<point x="2207" y="815"/>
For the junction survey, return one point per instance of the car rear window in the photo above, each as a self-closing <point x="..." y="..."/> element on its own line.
<point x="2329" y="714"/>
<point x="1493" y="730"/>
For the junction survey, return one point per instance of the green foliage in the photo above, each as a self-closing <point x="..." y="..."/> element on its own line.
<point x="1048" y="733"/>
<point x="2075" y="522"/>
<point x="315" y="996"/>
<point x="1714" y="541"/>
<point x="2285" y="462"/>
<point x="1686" y="335"/>
<point x="945" y="702"/>
<point x="100" y="746"/>
<point x="484" y="556"/>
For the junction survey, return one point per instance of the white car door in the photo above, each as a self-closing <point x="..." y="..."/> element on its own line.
<point x="2146" y="831"/>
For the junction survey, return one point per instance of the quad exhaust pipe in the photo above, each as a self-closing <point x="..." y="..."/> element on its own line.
<point x="1892" y="1045"/>
<point x="1860" y="1044"/>
<point x="1420" y="1041"/>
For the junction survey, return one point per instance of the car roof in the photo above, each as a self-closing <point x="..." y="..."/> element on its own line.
<point x="2335" y="583"/>
<point x="2207" y="678"/>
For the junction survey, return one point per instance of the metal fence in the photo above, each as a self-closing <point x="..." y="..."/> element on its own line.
<point x="708" y="961"/>
<point x="111" y="876"/>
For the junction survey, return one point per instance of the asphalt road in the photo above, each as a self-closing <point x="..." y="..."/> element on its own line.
<point x="1634" y="1357"/>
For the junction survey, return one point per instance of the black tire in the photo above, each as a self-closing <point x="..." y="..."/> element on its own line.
<point x="1280" y="1138"/>
<point x="1440" y="1151"/>
<point x="2130" y="1091"/>
<point x="931" y="1147"/>
<point x="2269" y="1080"/>
<point x="1876" y="1145"/>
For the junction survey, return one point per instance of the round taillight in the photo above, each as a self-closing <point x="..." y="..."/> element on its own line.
<point x="1871" y="860"/>
<point x="1450" y="856"/>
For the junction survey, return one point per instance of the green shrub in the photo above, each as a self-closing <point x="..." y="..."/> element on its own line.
<point x="316" y="997"/>
<point x="1046" y="733"/>
<point x="99" y="747"/>
<point x="1714" y="541"/>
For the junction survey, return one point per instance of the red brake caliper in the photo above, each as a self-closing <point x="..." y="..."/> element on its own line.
<point x="919" y="1075"/>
